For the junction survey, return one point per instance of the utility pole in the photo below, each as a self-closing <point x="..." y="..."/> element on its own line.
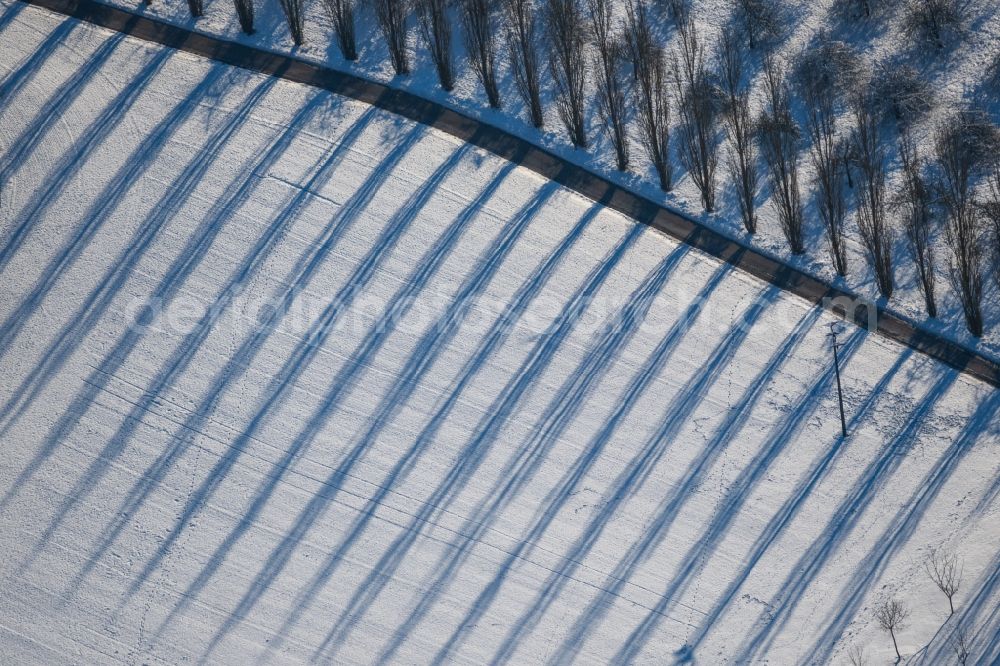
<point x="836" y="366"/>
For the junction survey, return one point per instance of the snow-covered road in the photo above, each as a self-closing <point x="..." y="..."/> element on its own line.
<point x="286" y="377"/>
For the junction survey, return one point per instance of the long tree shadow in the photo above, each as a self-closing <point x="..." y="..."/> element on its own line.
<point x="737" y="495"/>
<point x="568" y="484"/>
<point x="74" y="159"/>
<point x="16" y="80"/>
<point x="342" y="383"/>
<point x="485" y="434"/>
<point x="121" y="269"/>
<point x="282" y="382"/>
<point x="638" y="469"/>
<point x="427" y="350"/>
<point x="716" y="529"/>
<point x="42" y="122"/>
<point x="560" y="411"/>
<point x="903" y="524"/>
<point x="97" y="302"/>
<point x="306" y="265"/>
<point x="788" y="511"/>
<point x="845" y="517"/>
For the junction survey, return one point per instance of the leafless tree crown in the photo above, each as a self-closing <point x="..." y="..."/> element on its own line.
<point x="741" y="157"/>
<point x="244" y="12"/>
<point x="698" y="108"/>
<point x="567" y="44"/>
<point x="779" y="141"/>
<point x="873" y="223"/>
<point x="522" y="41"/>
<point x="480" y="44"/>
<point x="946" y="572"/>
<point x="435" y="27"/>
<point x="935" y="20"/>
<point x="295" y="18"/>
<point x="914" y="203"/>
<point x="649" y="70"/>
<point x="857" y="656"/>
<point x="612" y="92"/>
<point x="891" y="615"/>
<point x="391" y="18"/>
<point x="762" y="21"/>
<point x="904" y="93"/>
<point x="342" y="14"/>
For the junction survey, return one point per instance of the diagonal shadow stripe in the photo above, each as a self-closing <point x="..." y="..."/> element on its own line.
<point x="485" y="434"/>
<point x="844" y="518"/>
<point x="100" y="299"/>
<point x="903" y="525"/>
<point x="426" y="352"/>
<point x="189" y="257"/>
<point x="788" y="510"/>
<point x="42" y="122"/>
<point x="345" y="379"/>
<point x="556" y="498"/>
<point x="24" y="71"/>
<point x="731" y="506"/>
<point x="284" y="380"/>
<point x="71" y="163"/>
<point x="637" y="472"/>
<point x="304" y="267"/>
<point x="559" y="413"/>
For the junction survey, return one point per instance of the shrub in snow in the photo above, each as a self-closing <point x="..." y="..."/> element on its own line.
<point x="480" y="45"/>
<point x="762" y="21"/>
<point x="567" y="41"/>
<point x="391" y="18"/>
<point x="857" y="656"/>
<point x="295" y="18"/>
<point x="962" y="647"/>
<point x="891" y="615"/>
<point x="741" y="158"/>
<point x="698" y="109"/>
<point x="964" y="146"/>
<point x="244" y="12"/>
<point x="522" y="44"/>
<point x="914" y="200"/>
<point x="342" y="15"/>
<point x="779" y="135"/>
<point x="649" y="70"/>
<point x="435" y="27"/>
<point x="935" y="20"/>
<point x="611" y="89"/>
<point x="873" y="223"/>
<point x="902" y="91"/>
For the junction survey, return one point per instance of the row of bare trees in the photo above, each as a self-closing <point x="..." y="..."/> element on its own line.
<point x="830" y="105"/>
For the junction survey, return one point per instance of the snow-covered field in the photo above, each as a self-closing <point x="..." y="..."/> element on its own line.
<point x="958" y="75"/>
<point x="288" y="378"/>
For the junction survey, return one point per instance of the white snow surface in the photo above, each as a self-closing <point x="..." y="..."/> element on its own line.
<point x="485" y="418"/>
<point x="960" y="76"/>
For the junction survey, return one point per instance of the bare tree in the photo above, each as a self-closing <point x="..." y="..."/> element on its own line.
<point x="914" y="200"/>
<point x="295" y="19"/>
<point x="244" y="12"/>
<point x="565" y="24"/>
<point x="946" y="572"/>
<point x="823" y="74"/>
<point x="934" y="20"/>
<point x="522" y="41"/>
<point x="480" y="43"/>
<point x="699" y="131"/>
<point x="762" y="20"/>
<point x="741" y="158"/>
<point x="960" y="644"/>
<point x="649" y="70"/>
<point x="679" y="12"/>
<point x="963" y="145"/>
<point x="779" y="142"/>
<point x="891" y="615"/>
<point x="873" y="223"/>
<point x="391" y="18"/>
<point x="612" y="95"/>
<point x="902" y="92"/>
<point x="991" y="207"/>
<point x="432" y="16"/>
<point x="857" y="656"/>
<point x="342" y="14"/>
<point x="197" y="8"/>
